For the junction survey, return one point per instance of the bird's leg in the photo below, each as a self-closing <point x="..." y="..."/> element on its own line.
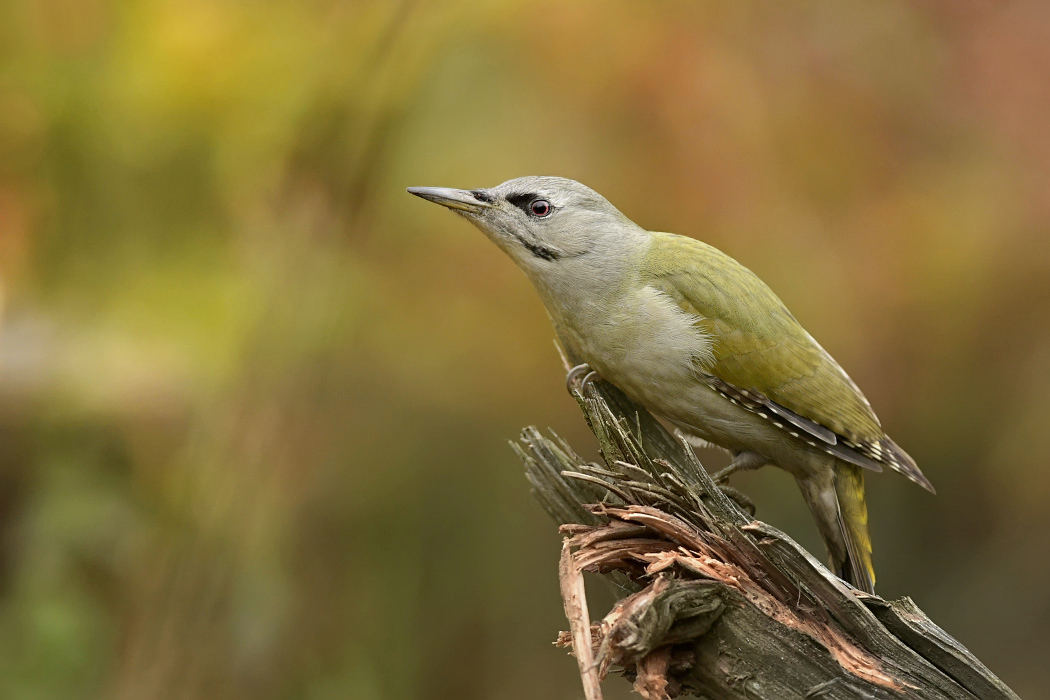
<point x="742" y="461"/>
<point x="582" y="374"/>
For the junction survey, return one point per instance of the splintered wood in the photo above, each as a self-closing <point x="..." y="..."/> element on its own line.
<point x="661" y="551"/>
<point x="715" y="603"/>
<point x="574" y="597"/>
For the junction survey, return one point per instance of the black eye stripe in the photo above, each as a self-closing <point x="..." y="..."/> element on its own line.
<point x="522" y="200"/>
<point x="526" y="201"/>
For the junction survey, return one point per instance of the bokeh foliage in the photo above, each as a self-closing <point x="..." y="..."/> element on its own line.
<point x="254" y="399"/>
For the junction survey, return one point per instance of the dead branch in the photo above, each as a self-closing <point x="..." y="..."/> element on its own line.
<point x="718" y="605"/>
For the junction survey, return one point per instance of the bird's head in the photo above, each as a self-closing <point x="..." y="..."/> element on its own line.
<point x="541" y="222"/>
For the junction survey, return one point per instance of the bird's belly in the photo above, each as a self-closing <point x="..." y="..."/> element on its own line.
<point x="650" y="349"/>
<point x="700" y="411"/>
<point x="675" y="391"/>
<point x="644" y="344"/>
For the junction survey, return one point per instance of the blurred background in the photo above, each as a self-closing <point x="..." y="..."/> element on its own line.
<point x="255" y="399"/>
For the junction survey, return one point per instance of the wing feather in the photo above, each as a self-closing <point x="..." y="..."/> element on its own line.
<point x="759" y="346"/>
<point x="762" y="357"/>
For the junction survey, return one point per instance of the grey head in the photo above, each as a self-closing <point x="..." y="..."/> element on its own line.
<point x="541" y="222"/>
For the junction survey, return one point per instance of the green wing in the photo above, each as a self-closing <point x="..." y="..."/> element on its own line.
<point x="764" y="360"/>
<point x="759" y="347"/>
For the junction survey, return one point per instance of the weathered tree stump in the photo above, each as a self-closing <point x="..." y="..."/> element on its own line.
<point x="719" y="605"/>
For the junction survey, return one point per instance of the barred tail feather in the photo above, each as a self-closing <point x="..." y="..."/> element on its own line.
<point x="900" y="461"/>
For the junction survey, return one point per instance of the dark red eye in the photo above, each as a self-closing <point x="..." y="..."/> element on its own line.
<point x="541" y="207"/>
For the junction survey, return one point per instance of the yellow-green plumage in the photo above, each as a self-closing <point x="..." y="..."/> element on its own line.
<point x="849" y="488"/>
<point x="758" y="343"/>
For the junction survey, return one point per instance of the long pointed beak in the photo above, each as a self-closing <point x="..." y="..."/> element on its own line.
<point x="453" y="199"/>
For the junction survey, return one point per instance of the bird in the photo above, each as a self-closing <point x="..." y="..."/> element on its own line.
<point x="698" y="340"/>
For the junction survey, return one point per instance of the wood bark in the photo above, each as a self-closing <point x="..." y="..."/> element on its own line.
<point x="717" y="604"/>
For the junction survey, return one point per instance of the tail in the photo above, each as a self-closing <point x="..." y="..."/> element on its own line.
<point x="853" y="523"/>
<point x="836" y="499"/>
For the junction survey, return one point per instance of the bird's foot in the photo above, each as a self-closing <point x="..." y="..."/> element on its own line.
<point x="582" y="374"/>
<point x="743" y="461"/>
<point x="722" y="476"/>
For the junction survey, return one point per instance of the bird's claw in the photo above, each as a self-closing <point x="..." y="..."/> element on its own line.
<point x="582" y="374"/>
<point x="575" y="374"/>
<point x="591" y="376"/>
